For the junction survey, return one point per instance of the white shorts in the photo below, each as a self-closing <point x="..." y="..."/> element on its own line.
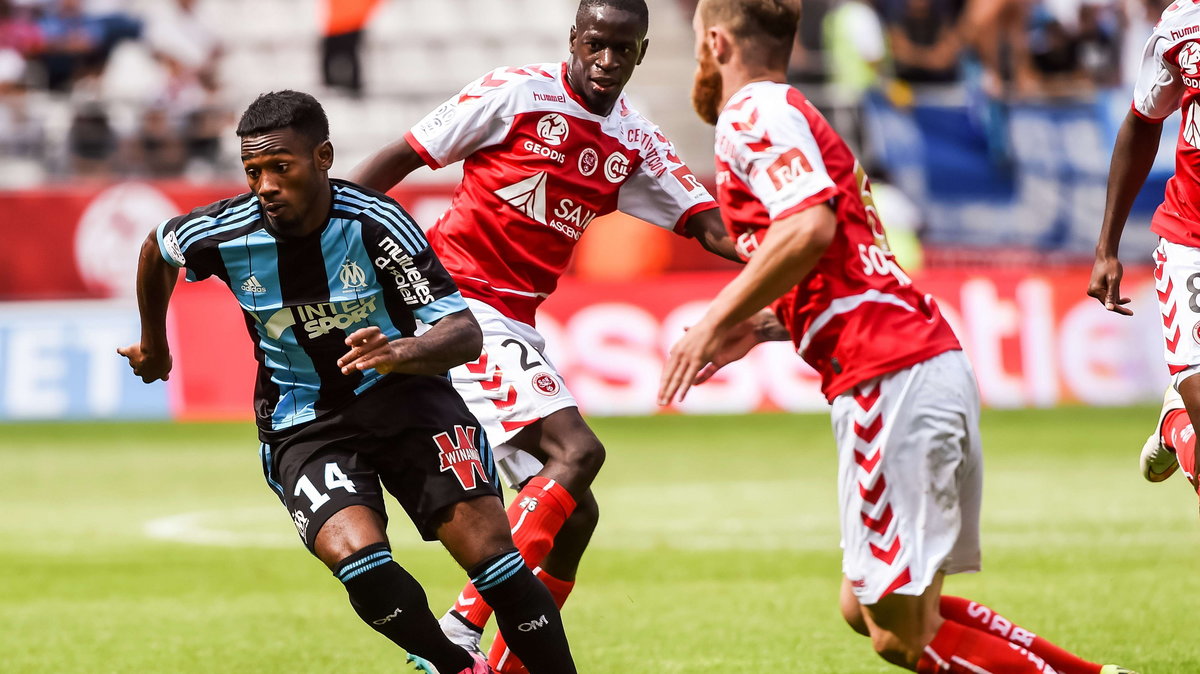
<point x="1177" y="280"/>
<point x="511" y="386"/>
<point x="910" y="477"/>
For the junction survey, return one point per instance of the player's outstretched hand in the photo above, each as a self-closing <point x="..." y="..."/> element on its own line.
<point x="737" y="343"/>
<point x="369" y="349"/>
<point x="1105" y="285"/>
<point x="149" y="366"/>
<point x="698" y="355"/>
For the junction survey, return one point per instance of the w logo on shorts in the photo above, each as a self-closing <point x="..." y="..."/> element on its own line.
<point x="461" y="455"/>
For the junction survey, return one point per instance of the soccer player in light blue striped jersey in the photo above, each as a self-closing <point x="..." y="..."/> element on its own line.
<point x="333" y="280"/>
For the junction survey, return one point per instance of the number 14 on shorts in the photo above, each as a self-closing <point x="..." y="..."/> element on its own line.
<point x="334" y="479"/>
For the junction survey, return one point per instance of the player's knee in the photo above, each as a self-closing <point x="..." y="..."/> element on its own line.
<point x="587" y="454"/>
<point x="896" y="650"/>
<point x="853" y="615"/>
<point x="346" y="533"/>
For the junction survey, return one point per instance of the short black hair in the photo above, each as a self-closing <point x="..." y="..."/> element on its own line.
<point x="285" y="109"/>
<point x="636" y="7"/>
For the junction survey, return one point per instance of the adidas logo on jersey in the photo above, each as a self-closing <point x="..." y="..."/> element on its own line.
<point x="253" y="287"/>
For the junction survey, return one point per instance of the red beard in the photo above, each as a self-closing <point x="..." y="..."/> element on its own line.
<point x="707" y="88"/>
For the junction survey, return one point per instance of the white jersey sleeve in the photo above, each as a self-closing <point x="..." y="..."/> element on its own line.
<point x="477" y="117"/>
<point x="1159" y="88"/>
<point x="779" y="158"/>
<point x="662" y="190"/>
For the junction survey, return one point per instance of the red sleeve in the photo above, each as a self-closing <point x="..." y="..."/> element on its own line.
<point x="821" y="197"/>
<point x="681" y="224"/>
<point x="416" y="145"/>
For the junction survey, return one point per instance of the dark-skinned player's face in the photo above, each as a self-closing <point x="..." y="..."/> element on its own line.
<point x="287" y="174"/>
<point x="606" y="45"/>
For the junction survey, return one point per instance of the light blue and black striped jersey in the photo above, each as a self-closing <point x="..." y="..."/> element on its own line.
<point x="301" y="297"/>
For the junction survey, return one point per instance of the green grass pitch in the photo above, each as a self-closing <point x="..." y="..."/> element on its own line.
<point x="158" y="548"/>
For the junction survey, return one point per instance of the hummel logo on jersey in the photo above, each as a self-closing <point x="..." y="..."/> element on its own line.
<point x="253" y="287"/>
<point x="352" y="276"/>
<point x="527" y="196"/>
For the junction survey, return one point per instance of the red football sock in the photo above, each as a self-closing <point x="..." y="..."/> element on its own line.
<point x="958" y="649"/>
<point x="1179" y="436"/>
<point x="979" y="617"/>
<point x="535" y="515"/>
<point x="505" y="661"/>
<point x="472" y="607"/>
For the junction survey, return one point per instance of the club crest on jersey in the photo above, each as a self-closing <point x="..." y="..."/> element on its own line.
<point x="461" y="455"/>
<point x="616" y="167"/>
<point x="553" y="129"/>
<point x="588" y="161"/>
<point x="352" y="276"/>
<point x="545" y="383"/>
<point x="1189" y="59"/>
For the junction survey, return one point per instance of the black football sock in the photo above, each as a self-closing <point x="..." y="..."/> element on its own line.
<point x="393" y="603"/>
<point x="525" y="613"/>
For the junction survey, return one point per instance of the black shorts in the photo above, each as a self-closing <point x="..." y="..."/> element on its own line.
<point x="417" y="437"/>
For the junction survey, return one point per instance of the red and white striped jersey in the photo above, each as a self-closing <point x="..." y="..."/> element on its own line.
<point x="857" y="315"/>
<point x="1168" y="80"/>
<point x="538" y="166"/>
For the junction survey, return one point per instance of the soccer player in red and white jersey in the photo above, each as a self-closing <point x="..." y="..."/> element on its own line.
<point x="545" y="149"/>
<point x="905" y="401"/>
<point x="1169" y="79"/>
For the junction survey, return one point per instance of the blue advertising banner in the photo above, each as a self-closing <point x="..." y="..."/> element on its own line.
<point x="58" y="360"/>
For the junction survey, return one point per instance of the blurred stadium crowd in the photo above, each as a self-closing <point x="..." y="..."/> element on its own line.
<point x="149" y="88"/>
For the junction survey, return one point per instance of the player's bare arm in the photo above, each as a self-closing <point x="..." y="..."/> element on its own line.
<point x="1132" y="159"/>
<point x="453" y="340"/>
<point x="709" y="229"/>
<point x="150" y="358"/>
<point x="386" y="168"/>
<point x="788" y="253"/>
<point x="741" y="338"/>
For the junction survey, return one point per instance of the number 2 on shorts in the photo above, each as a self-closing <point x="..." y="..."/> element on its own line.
<point x="334" y="479"/>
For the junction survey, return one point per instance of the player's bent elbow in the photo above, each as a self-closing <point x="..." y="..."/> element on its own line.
<point x="467" y="338"/>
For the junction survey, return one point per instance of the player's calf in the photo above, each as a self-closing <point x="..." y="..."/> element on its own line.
<point x="525" y="612"/>
<point x="562" y="562"/>
<point x="393" y="603"/>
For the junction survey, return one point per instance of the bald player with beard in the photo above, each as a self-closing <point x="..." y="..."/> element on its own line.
<point x="819" y="272"/>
